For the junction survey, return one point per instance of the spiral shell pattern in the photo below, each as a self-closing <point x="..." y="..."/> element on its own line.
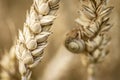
<point x="75" y="46"/>
<point x="73" y="41"/>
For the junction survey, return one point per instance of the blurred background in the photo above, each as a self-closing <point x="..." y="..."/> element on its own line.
<point x="58" y="63"/>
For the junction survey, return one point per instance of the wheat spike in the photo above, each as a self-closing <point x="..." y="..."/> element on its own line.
<point x="94" y="33"/>
<point x="91" y="33"/>
<point x="33" y="39"/>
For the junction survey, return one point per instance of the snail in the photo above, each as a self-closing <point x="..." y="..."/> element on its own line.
<point x="73" y="41"/>
<point x="74" y="45"/>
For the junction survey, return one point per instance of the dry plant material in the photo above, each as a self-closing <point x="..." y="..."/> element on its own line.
<point x="8" y="66"/>
<point x="91" y="37"/>
<point x="33" y="39"/>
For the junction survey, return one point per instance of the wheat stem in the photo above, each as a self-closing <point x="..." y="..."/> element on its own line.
<point x="23" y="78"/>
<point x="91" y="71"/>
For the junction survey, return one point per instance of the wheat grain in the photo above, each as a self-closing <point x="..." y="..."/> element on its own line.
<point x="93" y="25"/>
<point x="33" y="39"/>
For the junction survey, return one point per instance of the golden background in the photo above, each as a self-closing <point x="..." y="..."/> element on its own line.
<point x="12" y="17"/>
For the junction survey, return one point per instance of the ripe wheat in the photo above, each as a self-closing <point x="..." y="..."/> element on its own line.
<point x="90" y="37"/>
<point x="33" y="39"/>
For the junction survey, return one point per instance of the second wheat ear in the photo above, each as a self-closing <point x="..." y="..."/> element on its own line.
<point x="91" y="36"/>
<point x="33" y="39"/>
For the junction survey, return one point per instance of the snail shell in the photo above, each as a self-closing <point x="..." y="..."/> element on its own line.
<point x="74" y="45"/>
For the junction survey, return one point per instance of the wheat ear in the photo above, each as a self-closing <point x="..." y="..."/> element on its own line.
<point x="33" y="39"/>
<point x="90" y="37"/>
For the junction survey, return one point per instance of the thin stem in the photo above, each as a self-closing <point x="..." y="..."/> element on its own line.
<point x="91" y="71"/>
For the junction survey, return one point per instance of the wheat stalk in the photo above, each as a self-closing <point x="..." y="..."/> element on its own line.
<point x="90" y="37"/>
<point x="33" y="39"/>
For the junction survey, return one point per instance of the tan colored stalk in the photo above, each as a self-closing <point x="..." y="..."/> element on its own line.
<point x="33" y="39"/>
<point x="90" y="37"/>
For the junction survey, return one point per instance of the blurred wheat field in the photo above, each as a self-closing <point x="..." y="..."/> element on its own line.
<point x="53" y="66"/>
